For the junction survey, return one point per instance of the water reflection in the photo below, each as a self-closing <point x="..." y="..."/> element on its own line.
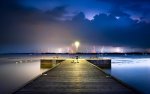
<point x="133" y="71"/>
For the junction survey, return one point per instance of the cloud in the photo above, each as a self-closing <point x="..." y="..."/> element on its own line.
<point x="138" y="7"/>
<point x="19" y="24"/>
<point x="57" y="12"/>
<point x="29" y="26"/>
<point x="106" y="30"/>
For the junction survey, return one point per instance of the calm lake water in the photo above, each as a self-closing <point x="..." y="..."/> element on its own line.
<point x="15" y="70"/>
<point x="132" y="70"/>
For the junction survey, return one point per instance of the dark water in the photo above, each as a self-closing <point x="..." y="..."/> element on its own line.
<point x="15" y="70"/>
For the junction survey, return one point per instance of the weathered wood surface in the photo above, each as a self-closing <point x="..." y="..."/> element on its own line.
<point x="74" y="78"/>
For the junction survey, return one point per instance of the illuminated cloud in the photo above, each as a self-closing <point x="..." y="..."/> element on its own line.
<point x="30" y="24"/>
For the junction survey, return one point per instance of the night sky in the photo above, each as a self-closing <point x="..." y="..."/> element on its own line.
<point x="48" y="25"/>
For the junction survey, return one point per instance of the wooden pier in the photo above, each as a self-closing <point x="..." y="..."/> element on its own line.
<point x="75" y="78"/>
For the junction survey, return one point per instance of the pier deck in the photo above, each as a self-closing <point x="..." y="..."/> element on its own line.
<point x="74" y="78"/>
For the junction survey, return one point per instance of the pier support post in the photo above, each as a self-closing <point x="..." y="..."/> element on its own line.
<point x="48" y="63"/>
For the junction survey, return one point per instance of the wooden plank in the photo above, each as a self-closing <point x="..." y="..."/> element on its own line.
<point x="75" y="78"/>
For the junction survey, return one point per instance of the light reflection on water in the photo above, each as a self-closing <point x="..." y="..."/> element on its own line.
<point x="133" y="71"/>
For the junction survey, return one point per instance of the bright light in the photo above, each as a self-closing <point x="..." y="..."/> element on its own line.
<point x="60" y="50"/>
<point x="118" y="50"/>
<point x="77" y="44"/>
<point x="102" y="49"/>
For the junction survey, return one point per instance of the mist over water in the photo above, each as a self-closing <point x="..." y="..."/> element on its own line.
<point x="17" y="71"/>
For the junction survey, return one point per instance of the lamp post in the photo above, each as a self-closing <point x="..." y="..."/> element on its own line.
<point x="77" y="44"/>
